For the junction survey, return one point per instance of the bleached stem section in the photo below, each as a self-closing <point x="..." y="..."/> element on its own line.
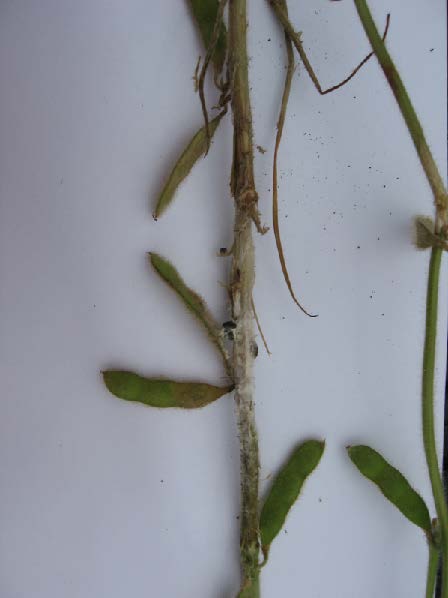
<point x="241" y="287"/>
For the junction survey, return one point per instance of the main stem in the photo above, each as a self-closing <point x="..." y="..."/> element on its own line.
<point x="241" y="287"/>
<point x="441" y="227"/>
<point x="429" y="357"/>
<point x="433" y="563"/>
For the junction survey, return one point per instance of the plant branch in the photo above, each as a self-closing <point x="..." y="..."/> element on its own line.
<point x="280" y="10"/>
<point x="213" y="42"/>
<point x="241" y="287"/>
<point x="409" y="115"/>
<point x="278" y="138"/>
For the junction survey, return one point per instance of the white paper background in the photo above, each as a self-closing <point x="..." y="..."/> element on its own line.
<point x="105" y="498"/>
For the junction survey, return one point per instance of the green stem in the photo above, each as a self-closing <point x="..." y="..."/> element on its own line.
<point x="441" y="203"/>
<point x="252" y="591"/>
<point x="433" y="564"/>
<point x="429" y="358"/>
<point x="409" y="115"/>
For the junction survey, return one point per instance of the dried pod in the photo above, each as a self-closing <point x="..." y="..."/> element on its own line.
<point x="286" y="488"/>
<point x="392" y="484"/>
<point x="161" y="393"/>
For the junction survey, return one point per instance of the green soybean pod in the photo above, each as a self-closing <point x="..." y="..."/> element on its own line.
<point x="205" y="13"/>
<point x="161" y="393"/>
<point x="196" y="147"/>
<point x="286" y="488"/>
<point x="392" y="484"/>
<point x="192" y="300"/>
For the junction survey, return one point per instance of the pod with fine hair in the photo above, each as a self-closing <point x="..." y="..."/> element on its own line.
<point x="161" y="393"/>
<point x="192" y="301"/>
<point x="392" y="484"/>
<point x="196" y="147"/>
<point x="286" y="489"/>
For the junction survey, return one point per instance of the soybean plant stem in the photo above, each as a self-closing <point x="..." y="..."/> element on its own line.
<point x="409" y="115"/>
<point x="441" y="205"/>
<point x="429" y="356"/>
<point x="241" y="287"/>
<point x="433" y="563"/>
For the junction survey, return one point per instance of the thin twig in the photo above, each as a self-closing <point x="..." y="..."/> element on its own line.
<point x="282" y="16"/>
<point x="280" y="124"/>
<point x="208" y="55"/>
<point x="260" y="330"/>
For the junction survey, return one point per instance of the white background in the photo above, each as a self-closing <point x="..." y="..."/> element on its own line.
<point x="103" y="498"/>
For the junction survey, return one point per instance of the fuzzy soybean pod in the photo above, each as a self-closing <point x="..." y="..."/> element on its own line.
<point x="392" y="484"/>
<point x="192" y="301"/>
<point x="196" y="148"/>
<point x="161" y="393"/>
<point x="286" y="488"/>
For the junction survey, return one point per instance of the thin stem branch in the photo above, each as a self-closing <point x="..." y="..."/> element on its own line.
<point x="208" y="56"/>
<point x="409" y="115"/>
<point x="280" y="124"/>
<point x="241" y="287"/>
<point x="429" y="357"/>
<point x="280" y="9"/>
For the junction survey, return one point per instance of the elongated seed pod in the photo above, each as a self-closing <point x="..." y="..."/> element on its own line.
<point x="286" y="488"/>
<point x="205" y="13"/>
<point x="161" y="393"/>
<point x="192" y="301"/>
<point x="196" y="147"/>
<point x="392" y="484"/>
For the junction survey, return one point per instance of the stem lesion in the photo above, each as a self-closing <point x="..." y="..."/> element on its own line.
<point x="241" y="288"/>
